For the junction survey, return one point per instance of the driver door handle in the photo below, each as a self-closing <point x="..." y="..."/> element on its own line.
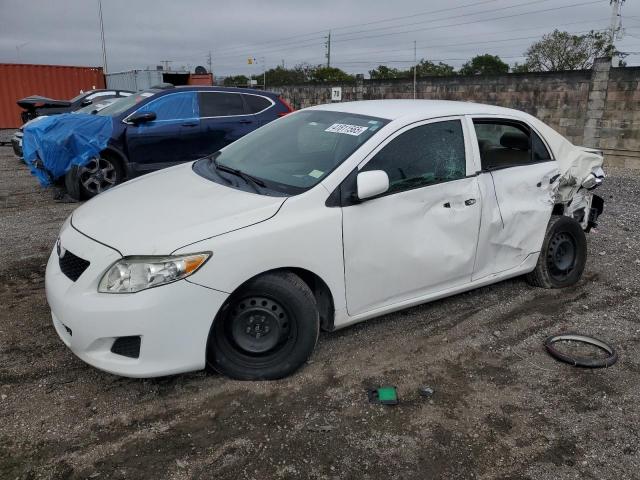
<point x="190" y="124"/>
<point x="470" y="201"/>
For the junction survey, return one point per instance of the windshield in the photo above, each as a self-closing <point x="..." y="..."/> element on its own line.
<point x="97" y="106"/>
<point x="293" y="154"/>
<point x="125" y="103"/>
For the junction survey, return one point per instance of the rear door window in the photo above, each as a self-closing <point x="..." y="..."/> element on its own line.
<point x="257" y="103"/>
<point x="220" y="104"/>
<point x="505" y="143"/>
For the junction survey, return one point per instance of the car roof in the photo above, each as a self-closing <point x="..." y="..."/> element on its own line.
<point x="204" y="88"/>
<point x="397" y="109"/>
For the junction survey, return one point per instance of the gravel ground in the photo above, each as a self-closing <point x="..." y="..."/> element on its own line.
<point x="502" y="408"/>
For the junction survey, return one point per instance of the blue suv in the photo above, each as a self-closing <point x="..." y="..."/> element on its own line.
<point x="158" y="128"/>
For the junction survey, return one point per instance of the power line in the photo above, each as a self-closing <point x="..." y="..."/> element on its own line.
<point x="449" y="18"/>
<point x="223" y="54"/>
<point x="429" y="12"/>
<point x="473" y="21"/>
<point x="299" y="45"/>
<point x="531" y="37"/>
<point x="429" y="45"/>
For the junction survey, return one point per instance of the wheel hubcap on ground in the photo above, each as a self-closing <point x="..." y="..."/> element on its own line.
<point x="561" y="256"/>
<point x="258" y="325"/>
<point x="98" y="175"/>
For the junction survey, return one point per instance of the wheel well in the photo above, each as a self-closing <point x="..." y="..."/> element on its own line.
<point x="320" y="290"/>
<point x="558" y="209"/>
<point x="117" y="156"/>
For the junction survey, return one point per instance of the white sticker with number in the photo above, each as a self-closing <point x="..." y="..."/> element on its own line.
<point x="354" y="130"/>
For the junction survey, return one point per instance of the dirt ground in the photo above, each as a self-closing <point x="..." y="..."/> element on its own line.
<point x="502" y="408"/>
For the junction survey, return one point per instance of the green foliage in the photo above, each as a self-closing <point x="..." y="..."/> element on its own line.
<point x="484" y="65"/>
<point x="425" y="68"/>
<point x="236" y="81"/>
<point x="322" y="74"/>
<point x="429" y="69"/>
<point x="564" y="51"/>
<point x="382" y="72"/>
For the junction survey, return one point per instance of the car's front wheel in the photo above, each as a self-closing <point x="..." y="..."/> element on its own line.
<point x="563" y="255"/>
<point x="265" y="331"/>
<point x="99" y="174"/>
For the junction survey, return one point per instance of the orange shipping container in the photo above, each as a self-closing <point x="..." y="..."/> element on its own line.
<point x="54" y="81"/>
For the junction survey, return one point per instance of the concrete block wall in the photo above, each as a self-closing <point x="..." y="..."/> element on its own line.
<point x="598" y="108"/>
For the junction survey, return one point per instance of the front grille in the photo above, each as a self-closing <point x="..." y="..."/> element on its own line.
<point x="72" y="266"/>
<point x="127" y="346"/>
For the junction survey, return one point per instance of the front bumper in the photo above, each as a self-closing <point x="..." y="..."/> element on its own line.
<point x="172" y="321"/>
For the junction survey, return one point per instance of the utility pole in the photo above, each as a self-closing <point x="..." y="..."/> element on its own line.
<point x="328" y="45"/>
<point x="209" y="61"/>
<point x="104" y="49"/>
<point x="415" y="65"/>
<point x="264" y="73"/>
<point x="615" y="26"/>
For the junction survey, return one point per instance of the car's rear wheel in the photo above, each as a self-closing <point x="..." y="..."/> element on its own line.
<point x="98" y="175"/>
<point x="563" y="255"/>
<point x="265" y="331"/>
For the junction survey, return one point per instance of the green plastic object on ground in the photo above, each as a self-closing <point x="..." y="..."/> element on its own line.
<point x="384" y="395"/>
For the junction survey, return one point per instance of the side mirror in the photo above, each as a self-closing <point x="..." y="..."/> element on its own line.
<point x="141" y="117"/>
<point x="372" y="183"/>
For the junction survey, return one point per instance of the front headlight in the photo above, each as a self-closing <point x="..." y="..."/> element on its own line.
<point x="133" y="274"/>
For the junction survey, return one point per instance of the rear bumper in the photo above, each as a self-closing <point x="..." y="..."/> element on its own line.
<point x="172" y="321"/>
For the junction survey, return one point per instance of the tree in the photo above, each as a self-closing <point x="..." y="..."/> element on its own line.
<point x="235" y="81"/>
<point x="286" y="76"/>
<point x="520" y="68"/>
<point x="564" y="51"/>
<point x="321" y="74"/>
<point x="427" y="68"/>
<point x="484" y="65"/>
<point x="385" y="73"/>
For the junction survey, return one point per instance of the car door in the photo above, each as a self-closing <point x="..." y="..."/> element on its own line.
<point x="420" y="237"/>
<point x="516" y="178"/>
<point x="224" y="119"/>
<point x="169" y="139"/>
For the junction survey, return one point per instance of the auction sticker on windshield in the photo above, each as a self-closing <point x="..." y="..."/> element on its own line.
<point x="354" y="130"/>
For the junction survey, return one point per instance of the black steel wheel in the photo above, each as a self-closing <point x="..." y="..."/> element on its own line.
<point x="265" y="331"/>
<point x="98" y="175"/>
<point x="563" y="254"/>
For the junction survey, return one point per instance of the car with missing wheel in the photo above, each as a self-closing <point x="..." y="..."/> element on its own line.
<point x="141" y="133"/>
<point x="327" y="217"/>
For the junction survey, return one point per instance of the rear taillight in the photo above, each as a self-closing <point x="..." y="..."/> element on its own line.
<point x="286" y="105"/>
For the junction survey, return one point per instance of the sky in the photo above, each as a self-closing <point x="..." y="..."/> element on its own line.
<point x="364" y="33"/>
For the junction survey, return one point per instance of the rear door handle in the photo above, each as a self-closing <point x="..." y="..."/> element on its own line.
<point x="470" y="201"/>
<point x="190" y="124"/>
<point x="244" y="120"/>
<point x="447" y="205"/>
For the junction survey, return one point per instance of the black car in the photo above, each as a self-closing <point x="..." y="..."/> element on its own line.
<point x="35" y="105"/>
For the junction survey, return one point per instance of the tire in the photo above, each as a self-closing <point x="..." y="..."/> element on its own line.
<point x="99" y="175"/>
<point x="265" y="331"/>
<point x="563" y="255"/>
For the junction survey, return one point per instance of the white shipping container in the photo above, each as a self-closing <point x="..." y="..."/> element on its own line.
<point x="134" y="80"/>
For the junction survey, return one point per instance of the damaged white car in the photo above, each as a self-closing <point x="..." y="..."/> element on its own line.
<point x="324" y="218"/>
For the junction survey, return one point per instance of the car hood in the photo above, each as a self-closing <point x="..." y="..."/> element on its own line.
<point x="166" y="210"/>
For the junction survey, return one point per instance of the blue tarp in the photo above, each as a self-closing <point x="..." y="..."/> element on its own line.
<point x="52" y="145"/>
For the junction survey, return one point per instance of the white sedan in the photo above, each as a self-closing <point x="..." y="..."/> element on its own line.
<point x="327" y="217"/>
